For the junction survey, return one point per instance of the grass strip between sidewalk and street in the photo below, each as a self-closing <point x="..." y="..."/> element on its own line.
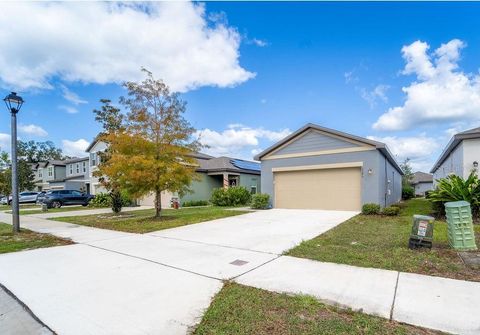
<point x="26" y="240"/>
<point x="243" y="310"/>
<point x="144" y="221"/>
<point x="382" y="242"/>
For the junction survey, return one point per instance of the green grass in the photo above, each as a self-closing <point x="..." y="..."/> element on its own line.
<point x="242" y="310"/>
<point x="7" y="207"/>
<point x="143" y="221"/>
<point x="382" y="242"/>
<point x="57" y="210"/>
<point x="26" y="239"/>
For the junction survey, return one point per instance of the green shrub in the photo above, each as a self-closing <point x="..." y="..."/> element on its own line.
<point x="101" y="200"/>
<point x="194" y="203"/>
<point x="408" y="192"/>
<point x="391" y="211"/>
<point x="371" y="209"/>
<point x="260" y="201"/>
<point x="232" y="196"/>
<point x="455" y="188"/>
<point x="400" y="205"/>
<point x="127" y="200"/>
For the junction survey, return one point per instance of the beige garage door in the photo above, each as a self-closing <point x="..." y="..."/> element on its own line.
<point x="333" y="189"/>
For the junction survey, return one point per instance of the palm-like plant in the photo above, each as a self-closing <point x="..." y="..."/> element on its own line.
<point x="455" y="188"/>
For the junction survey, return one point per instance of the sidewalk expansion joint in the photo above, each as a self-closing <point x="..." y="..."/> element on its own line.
<point x="394" y="296"/>
<point x="258" y="266"/>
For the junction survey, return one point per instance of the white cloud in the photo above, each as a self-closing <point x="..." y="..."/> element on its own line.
<point x="236" y="138"/>
<point x="4" y="142"/>
<point x="72" y="96"/>
<point x="31" y="129"/>
<point x="373" y="96"/>
<point x="75" y="148"/>
<point x="174" y="40"/>
<point x="69" y="109"/>
<point x="441" y="92"/>
<point x="350" y="77"/>
<point x="419" y="149"/>
<point x="259" y="42"/>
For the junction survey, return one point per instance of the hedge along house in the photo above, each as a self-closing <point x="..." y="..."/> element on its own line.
<point x="218" y="172"/>
<point x="320" y="168"/>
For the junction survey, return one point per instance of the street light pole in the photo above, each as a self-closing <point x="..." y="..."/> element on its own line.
<point x="14" y="103"/>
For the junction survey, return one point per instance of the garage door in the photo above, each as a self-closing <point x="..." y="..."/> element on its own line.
<point x="332" y="189"/>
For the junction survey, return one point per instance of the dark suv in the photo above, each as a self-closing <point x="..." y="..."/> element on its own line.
<point x="57" y="199"/>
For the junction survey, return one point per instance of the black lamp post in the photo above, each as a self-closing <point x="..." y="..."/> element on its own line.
<point x="14" y="103"/>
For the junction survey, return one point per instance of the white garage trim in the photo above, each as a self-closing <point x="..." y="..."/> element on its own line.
<point x="323" y="152"/>
<point x="318" y="167"/>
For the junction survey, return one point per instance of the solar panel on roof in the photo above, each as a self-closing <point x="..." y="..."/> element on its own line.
<point x="246" y="165"/>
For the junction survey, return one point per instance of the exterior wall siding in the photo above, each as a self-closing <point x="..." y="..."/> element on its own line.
<point x="202" y="189"/>
<point x="471" y="153"/>
<point x="314" y="141"/>
<point x="249" y="180"/>
<point x="370" y="183"/>
<point x="389" y="182"/>
<point x="421" y="188"/>
<point x="453" y="164"/>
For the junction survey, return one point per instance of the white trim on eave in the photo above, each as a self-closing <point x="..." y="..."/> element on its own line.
<point x="318" y="167"/>
<point x="318" y="153"/>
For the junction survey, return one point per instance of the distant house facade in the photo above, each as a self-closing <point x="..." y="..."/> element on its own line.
<point x="321" y="168"/>
<point x="77" y="174"/>
<point x="94" y="149"/>
<point x="422" y="182"/>
<point x="461" y="156"/>
<point x="49" y="175"/>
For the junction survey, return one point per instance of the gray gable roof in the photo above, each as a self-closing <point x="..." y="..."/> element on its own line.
<point x="453" y="143"/>
<point x="76" y="159"/>
<point x="382" y="147"/>
<point x="422" y="177"/>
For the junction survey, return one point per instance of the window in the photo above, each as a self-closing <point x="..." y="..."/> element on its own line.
<point x="76" y="193"/>
<point x="253" y="190"/>
<point x="93" y="159"/>
<point x="84" y="166"/>
<point x="40" y="173"/>
<point x="71" y="168"/>
<point x="77" y="168"/>
<point x="50" y="171"/>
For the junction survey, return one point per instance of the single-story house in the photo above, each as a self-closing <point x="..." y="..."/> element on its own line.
<point x="321" y="168"/>
<point x="422" y="182"/>
<point x="460" y="157"/>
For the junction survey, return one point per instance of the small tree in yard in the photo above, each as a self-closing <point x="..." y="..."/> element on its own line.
<point x="151" y="150"/>
<point x="408" y="191"/>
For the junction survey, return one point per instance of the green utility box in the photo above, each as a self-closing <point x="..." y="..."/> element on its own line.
<point x="422" y="232"/>
<point x="460" y="225"/>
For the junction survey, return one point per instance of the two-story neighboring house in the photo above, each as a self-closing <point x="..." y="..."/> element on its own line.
<point x="460" y="156"/>
<point x="52" y="175"/>
<point x="93" y="184"/>
<point x="78" y="174"/>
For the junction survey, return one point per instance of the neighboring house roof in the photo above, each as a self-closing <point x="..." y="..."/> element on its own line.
<point x="382" y="147"/>
<point x="422" y="177"/>
<point x="55" y="162"/>
<point x="228" y="164"/>
<point x="76" y="160"/>
<point x="453" y="143"/>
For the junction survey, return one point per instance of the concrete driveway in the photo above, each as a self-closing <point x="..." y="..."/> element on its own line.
<point x="157" y="283"/>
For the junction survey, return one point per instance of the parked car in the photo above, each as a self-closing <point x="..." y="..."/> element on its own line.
<point x="40" y="197"/>
<point x="23" y="198"/>
<point x="59" y="198"/>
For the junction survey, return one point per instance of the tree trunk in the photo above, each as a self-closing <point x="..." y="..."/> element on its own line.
<point x="158" y="203"/>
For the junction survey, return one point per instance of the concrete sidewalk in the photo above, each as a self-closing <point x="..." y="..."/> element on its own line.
<point x="438" y="303"/>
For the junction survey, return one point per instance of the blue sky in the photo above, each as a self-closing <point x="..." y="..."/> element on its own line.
<point x="403" y="73"/>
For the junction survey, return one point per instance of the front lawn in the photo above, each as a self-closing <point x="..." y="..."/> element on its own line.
<point x="22" y="206"/>
<point x="382" y="242"/>
<point x="243" y="310"/>
<point x="143" y="221"/>
<point x="26" y="239"/>
<point x="58" y="210"/>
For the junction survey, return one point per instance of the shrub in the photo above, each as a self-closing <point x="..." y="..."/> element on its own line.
<point x="408" y="192"/>
<point x="455" y="188"/>
<point x="391" y="211"/>
<point x="101" y="200"/>
<point x="260" y="201"/>
<point x="232" y="196"/>
<point x="116" y="201"/>
<point x="371" y="209"/>
<point x="194" y="203"/>
<point x="127" y="200"/>
<point x="400" y="205"/>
